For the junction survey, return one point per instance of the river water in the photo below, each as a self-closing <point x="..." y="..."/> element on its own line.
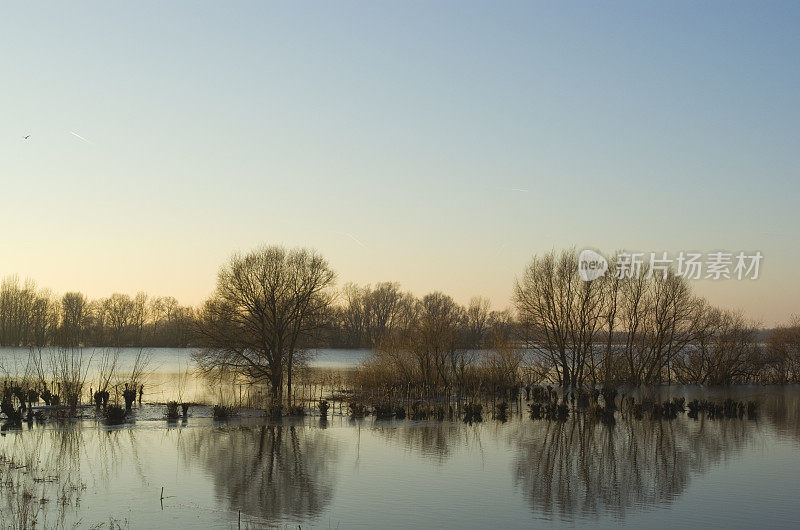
<point x="368" y="473"/>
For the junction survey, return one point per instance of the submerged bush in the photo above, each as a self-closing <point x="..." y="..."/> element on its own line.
<point x="729" y="409"/>
<point x="297" y="410"/>
<point x="549" y="411"/>
<point x="357" y="410"/>
<point x="502" y="410"/>
<point x="222" y="412"/>
<point x="473" y="412"/>
<point x="609" y="397"/>
<point x="323" y="407"/>
<point x="115" y="415"/>
<point x="172" y="410"/>
<point x="382" y="411"/>
<point x="129" y="395"/>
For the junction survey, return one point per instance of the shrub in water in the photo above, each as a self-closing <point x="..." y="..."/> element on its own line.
<point x="129" y="395"/>
<point x="115" y="415"/>
<point x="472" y="412"/>
<point x="221" y="412"/>
<point x="609" y="396"/>
<point x="357" y="410"/>
<point x="172" y="410"/>
<point x="502" y="410"/>
<point x="382" y="411"/>
<point x="33" y="397"/>
<point x="46" y="396"/>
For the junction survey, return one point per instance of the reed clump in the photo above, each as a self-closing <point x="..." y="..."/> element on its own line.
<point x="473" y="413"/>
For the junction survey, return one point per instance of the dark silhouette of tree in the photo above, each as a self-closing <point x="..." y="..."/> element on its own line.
<point x="267" y="305"/>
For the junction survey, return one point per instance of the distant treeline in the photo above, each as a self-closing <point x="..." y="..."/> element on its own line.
<point x="30" y="316"/>
<point x="648" y="329"/>
<point x="640" y="330"/>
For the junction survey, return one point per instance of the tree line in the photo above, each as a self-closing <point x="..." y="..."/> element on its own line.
<point x="30" y="316"/>
<point x="272" y="304"/>
<point x="644" y="329"/>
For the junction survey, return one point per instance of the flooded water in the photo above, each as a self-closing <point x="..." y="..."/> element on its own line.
<point x="168" y="372"/>
<point x="344" y="473"/>
<point x="167" y="359"/>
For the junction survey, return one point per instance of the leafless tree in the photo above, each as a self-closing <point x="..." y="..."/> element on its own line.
<point x="266" y="304"/>
<point x="560" y="314"/>
<point x="478" y="321"/>
<point x="782" y="363"/>
<point x="387" y="309"/>
<point x="74" y="319"/>
<point x="119" y="312"/>
<point x="725" y="351"/>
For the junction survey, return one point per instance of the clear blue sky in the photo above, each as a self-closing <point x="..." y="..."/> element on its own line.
<point x="438" y="144"/>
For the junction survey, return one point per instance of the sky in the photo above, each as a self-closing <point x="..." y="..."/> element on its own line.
<point x="436" y="144"/>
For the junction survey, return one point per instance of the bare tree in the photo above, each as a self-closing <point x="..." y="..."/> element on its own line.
<point x="267" y="303"/>
<point x="74" y="317"/>
<point x="782" y="362"/>
<point x="352" y="315"/>
<point x="387" y="309"/>
<point x="17" y="307"/>
<point x="725" y="349"/>
<point x="119" y="312"/>
<point x="559" y="313"/>
<point x="478" y="321"/>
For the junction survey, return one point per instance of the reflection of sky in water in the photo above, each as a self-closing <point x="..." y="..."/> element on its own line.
<point x="14" y="360"/>
<point x="397" y="474"/>
<point x="166" y="368"/>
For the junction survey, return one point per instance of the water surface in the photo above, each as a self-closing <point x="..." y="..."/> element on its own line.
<point x="395" y="474"/>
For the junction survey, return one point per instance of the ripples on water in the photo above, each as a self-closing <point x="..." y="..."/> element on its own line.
<point x="395" y="474"/>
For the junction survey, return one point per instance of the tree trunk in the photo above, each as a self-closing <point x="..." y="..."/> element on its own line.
<point x="289" y="380"/>
<point x="276" y="381"/>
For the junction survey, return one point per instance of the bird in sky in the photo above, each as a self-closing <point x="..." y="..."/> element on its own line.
<point x="26" y="137"/>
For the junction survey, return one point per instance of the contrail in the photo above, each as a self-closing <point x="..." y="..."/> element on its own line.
<point x="351" y="236"/>
<point x="354" y="238"/>
<point x="522" y="190"/>
<point x="81" y="137"/>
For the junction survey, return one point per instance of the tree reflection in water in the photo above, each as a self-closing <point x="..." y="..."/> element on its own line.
<point x="268" y="471"/>
<point x="583" y="469"/>
<point x="579" y="469"/>
<point x="436" y="441"/>
<point x="45" y="472"/>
